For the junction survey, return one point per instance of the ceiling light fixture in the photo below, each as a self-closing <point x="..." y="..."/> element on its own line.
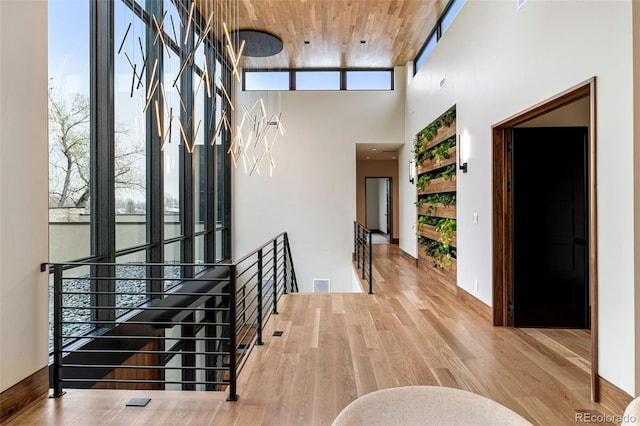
<point x="259" y="44"/>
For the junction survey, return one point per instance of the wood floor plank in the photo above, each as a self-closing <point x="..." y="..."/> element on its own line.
<point x="336" y="347"/>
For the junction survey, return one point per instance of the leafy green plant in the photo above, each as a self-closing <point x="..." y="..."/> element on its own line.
<point x="441" y="257"/>
<point x="440" y="254"/>
<point x="444" y="198"/>
<point x="430" y="246"/>
<point x="446" y="228"/>
<point x="448" y="172"/>
<point x="430" y="132"/>
<point x="449" y="116"/>
<point x="428" y="220"/>
<point x="441" y="151"/>
<point x="421" y="156"/>
<point x="423" y="180"/>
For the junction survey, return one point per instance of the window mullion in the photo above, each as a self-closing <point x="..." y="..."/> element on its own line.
<point x="155" y="163"/>
<point x="102" y="154"/>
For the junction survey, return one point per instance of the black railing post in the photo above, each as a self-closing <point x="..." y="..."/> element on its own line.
<point x="364" y="253"/>
<point x="358" y="246"/>
<point x="355" y="239"/>
<point x="285" y="254"/>
<point x="57" y="331"/>
<point x="294" y="280"/>
<point x="275" y="282"/>
<point x="233" y="395"/>
<point x="370" y="266"/>
<point x="260" y="286"/>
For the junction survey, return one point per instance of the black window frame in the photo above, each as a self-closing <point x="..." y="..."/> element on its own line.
<point x="437" y="30"/>
<point x="343" y="78"/>
<point x="102" y="154"/>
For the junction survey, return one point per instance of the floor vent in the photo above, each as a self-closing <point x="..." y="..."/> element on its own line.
<point x="321" y="285"/>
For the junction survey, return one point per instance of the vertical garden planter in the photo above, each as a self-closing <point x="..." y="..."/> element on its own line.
<point x="435" y="155"/>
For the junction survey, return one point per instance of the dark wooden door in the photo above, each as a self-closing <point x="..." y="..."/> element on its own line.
<point x="550" y="242"/>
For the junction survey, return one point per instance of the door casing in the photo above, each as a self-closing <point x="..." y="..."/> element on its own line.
<point x="501" y="206"/>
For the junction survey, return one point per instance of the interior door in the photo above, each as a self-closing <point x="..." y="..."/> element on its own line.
<point x="550" y="241"/>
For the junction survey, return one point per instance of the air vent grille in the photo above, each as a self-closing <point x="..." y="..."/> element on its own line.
<point x="321" y="285"/>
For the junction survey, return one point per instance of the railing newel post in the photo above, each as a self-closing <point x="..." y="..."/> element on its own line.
<point x="285" y="254"/>
<point x="259" y="341"/>
<point x="57" y="331"/>
<point x="364" y="254"/>
<point x="370" y="267"/>
<point x="233" y="395"/>
<point x="275" y="282"/>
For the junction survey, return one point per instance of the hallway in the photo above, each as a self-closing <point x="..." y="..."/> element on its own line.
<point x="336" y="347"/>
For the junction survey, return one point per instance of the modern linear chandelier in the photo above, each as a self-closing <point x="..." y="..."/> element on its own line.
<point x="254" y="136"/>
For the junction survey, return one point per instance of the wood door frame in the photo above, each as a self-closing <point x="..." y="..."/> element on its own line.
<point x="389" y="207"/>
<point x="502" y="222"/>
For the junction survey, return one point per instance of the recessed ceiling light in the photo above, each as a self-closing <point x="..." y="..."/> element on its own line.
<point x="374" y="149"/>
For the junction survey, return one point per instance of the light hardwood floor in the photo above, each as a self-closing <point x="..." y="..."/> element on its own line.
<point x="336" y="347"/>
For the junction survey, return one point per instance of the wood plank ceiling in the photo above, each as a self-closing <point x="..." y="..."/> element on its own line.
<point x="393" y="30"/>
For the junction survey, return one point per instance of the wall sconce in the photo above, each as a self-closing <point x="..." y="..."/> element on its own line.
<point x="462" y="166"/>
<point x="412" y="171"/>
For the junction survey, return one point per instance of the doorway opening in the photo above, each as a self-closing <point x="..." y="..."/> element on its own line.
<point x="379" y="209"/>
<point x="517" y="195"/>
<point x="549" y="219"/>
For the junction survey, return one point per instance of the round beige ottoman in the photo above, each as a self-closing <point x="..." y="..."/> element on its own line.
<point x="426" y="405"/>
<point x="631" y="416"/>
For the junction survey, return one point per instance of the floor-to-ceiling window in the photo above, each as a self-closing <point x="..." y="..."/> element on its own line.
<point x="133" y="107"/>
<point x="69" y="131"/>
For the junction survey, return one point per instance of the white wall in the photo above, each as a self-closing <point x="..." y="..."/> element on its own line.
<point x="636" y="120"/>
<point x="499" y="61"/>
<point x="23" y="190"/>
<point x="373" y="215"/>
<point x="312" y="193"/>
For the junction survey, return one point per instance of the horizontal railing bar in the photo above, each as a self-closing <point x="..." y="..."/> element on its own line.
<point x="246" y="333"/>
<point x="247" y="288"/>
<point x="135" y="337"/>
<point x="247" y="269"/>
<point x="247" y="281"/>
<point x="141" y="263"/>
<point x="144" y="367"/>
<point x="146" y="381"/>
<point x="158" y="352"/>
<point x="221" y="324"/>
<point x="250" y="302"/>
<point x="155" y="293"/>
<point x="251" y="315"/>
<point x="163" y="279"/>
<point x="246" y="256"/>
<point x="145" y="308"/>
